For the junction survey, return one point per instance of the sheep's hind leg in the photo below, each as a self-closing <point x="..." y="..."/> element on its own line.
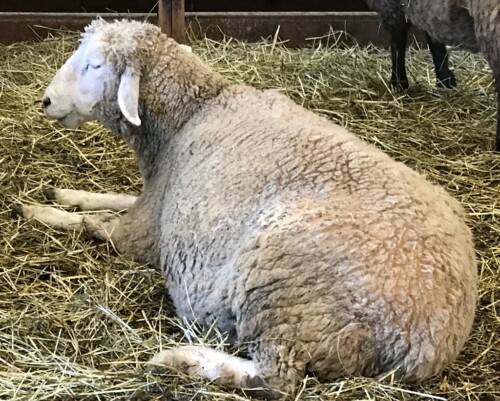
<point x="444" y="77"/>
<point x="497" y="85"/>
<point x="89" y="200"/>
<point x="216" y="366"/>
<point x="101" y="225"/>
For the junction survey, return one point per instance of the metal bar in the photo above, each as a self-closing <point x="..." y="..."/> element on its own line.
<point x="276" y="14"/>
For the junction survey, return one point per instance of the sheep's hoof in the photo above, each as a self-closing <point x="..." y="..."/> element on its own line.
<point x="447" y="83"/>
<point x="399" y="83"/>
<point x="155" y="369"/>
<point x="49" y="194"/>
<point x="16" y="210"/>
<point x="258" y="388"/>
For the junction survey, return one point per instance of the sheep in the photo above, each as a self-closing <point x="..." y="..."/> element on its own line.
<point x="315" y="250"/>
<point x="472" y="25"/>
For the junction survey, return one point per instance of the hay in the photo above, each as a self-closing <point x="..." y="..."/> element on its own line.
<point x="77" y="321"/>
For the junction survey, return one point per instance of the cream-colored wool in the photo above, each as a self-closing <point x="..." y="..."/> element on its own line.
<point x="318" y="251"/>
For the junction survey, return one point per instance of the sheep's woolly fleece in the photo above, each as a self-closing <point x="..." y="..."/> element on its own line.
<point x="78" y="321"/>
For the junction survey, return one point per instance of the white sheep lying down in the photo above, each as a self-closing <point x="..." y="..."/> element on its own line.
<point x="318" y="251"/>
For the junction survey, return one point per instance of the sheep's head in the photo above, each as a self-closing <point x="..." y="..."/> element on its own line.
<point x="104" y="69"/>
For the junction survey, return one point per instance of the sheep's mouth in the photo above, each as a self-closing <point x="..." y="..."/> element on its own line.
<point x="61" y="120"/>
<point x="69" y="121"/>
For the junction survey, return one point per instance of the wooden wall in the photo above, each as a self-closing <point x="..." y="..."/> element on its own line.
<point x="146" y="6"/>
<point x="298" y="20"/>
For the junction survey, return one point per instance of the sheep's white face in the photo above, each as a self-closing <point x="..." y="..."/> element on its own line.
<point x="78" y="87"/>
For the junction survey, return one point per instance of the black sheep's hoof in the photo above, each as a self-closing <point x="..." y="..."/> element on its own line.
<point x="399" y="83"/>
<point x="16" y="210"/>
<point x="49" y="194"/>
<point x="446" y="81"/>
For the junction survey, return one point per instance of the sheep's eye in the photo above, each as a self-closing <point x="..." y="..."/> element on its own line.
<point x="94" y="66"/>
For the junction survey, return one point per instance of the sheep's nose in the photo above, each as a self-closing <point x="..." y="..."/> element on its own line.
<point x="46" y="101"/>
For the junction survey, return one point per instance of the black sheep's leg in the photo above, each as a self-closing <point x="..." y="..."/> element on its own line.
<point x="445" y="78"/>
<point x="497" y="138"/>
<point x="399" y="35"/>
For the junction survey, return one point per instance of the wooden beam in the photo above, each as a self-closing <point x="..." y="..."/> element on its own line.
<point x="297" y="28"/>
<point x="178" y="21"/>
<point x="165" y="16"/>
<point x="171" y="19"/>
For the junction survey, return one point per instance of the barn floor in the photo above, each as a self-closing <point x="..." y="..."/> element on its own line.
<point x="77" y="322"/>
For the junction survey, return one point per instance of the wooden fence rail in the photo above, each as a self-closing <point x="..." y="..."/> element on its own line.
<point x="296" y="28"/>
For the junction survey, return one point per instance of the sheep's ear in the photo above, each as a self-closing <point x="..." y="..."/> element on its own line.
<point x="187" y="48"/>
<point x="128" y="96"/>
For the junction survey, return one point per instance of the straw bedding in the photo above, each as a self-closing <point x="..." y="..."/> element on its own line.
<point x="77" y="321"/>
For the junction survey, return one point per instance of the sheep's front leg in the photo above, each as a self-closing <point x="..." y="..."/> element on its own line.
<point x="216" y="366"/>
<point x="101" y="225"/>
<point x="89" y="200"/>
<point x="132" y="234"/>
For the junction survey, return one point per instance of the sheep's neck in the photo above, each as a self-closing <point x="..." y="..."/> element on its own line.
<point x="171" y="93"/>
<point x="175" y="86"/>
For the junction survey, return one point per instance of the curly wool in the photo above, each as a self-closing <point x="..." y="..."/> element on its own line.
<point x="318" y="250"/>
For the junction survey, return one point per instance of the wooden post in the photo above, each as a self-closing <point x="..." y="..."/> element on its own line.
<point x="171" y="18"/>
